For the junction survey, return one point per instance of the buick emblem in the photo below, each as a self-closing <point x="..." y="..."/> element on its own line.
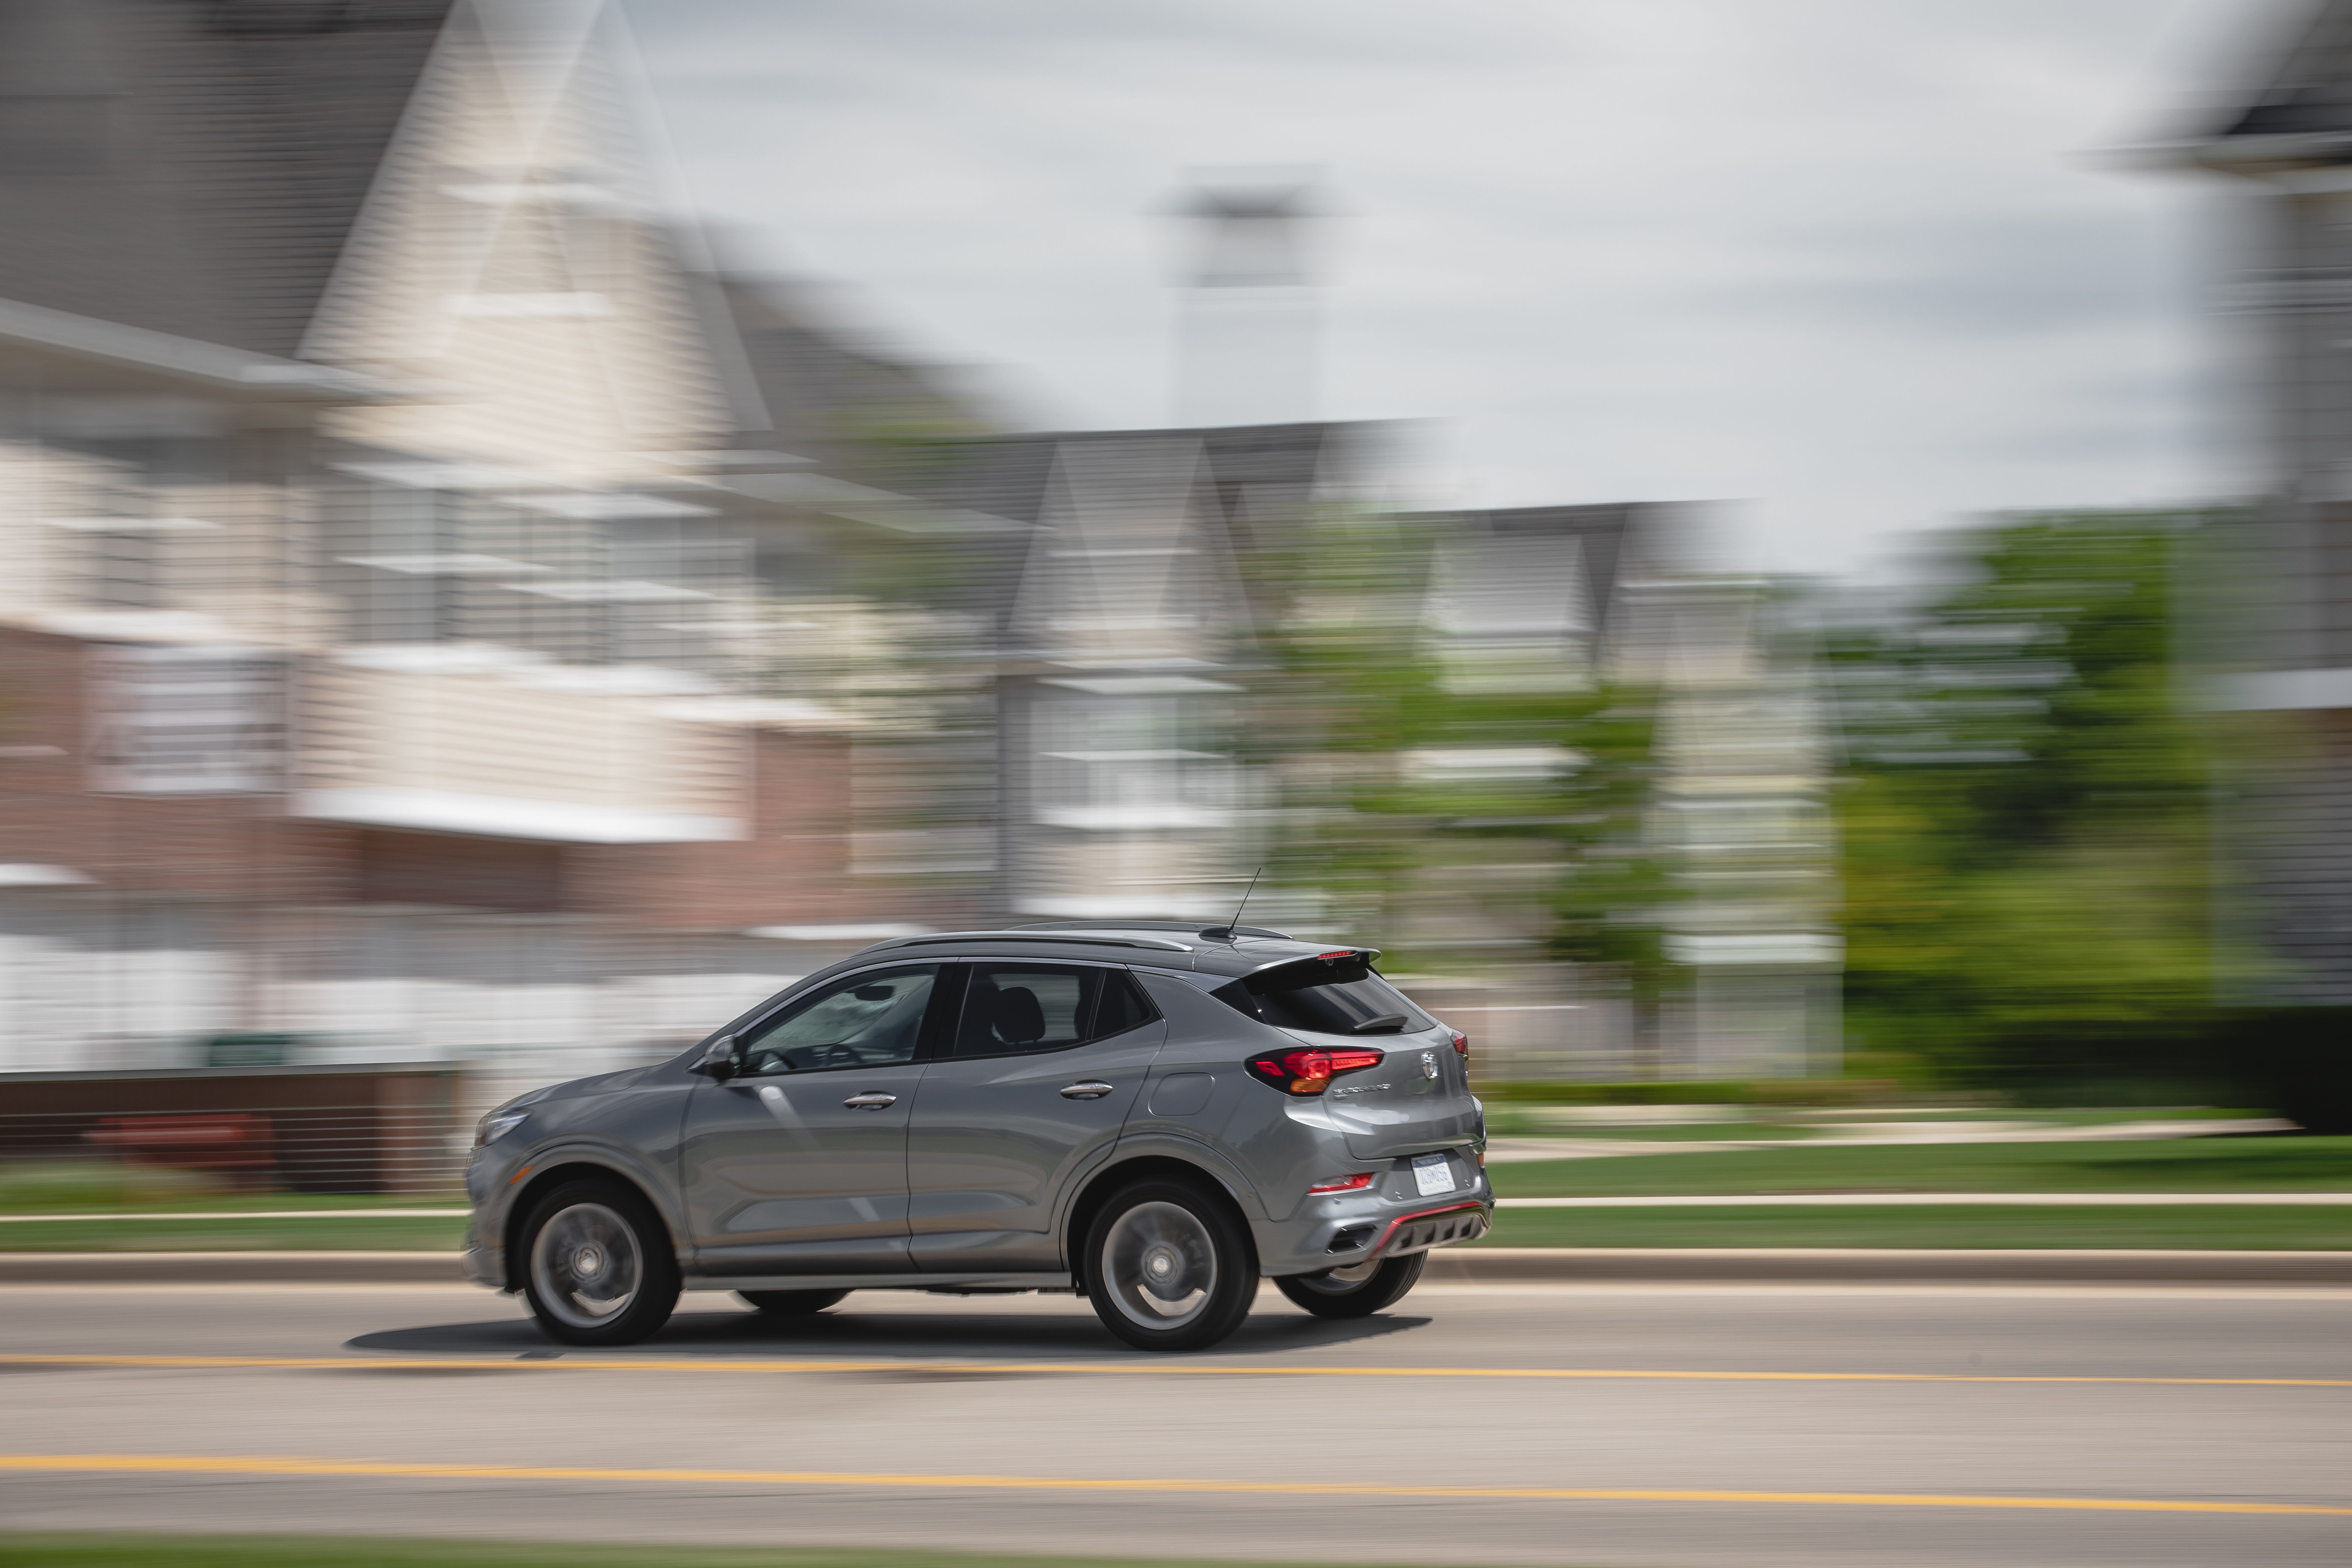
<point x="1429" y="1064"/>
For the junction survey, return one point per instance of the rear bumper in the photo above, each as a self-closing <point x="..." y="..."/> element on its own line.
<point x="1434" y="1228"/>
<point x="1342" y="1239"/>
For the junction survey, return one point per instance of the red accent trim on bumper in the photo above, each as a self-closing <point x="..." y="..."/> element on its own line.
<point x="1381" y="1246"/>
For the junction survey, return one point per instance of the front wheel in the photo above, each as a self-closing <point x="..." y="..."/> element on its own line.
<point x="791" y="1303"/>
<point x="1354" y="1292"/>
<point x="601" y="1271"/>
<point x="1168" y="1268"/>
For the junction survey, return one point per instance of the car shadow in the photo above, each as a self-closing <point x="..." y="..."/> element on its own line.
<point x="979" y="1334"/>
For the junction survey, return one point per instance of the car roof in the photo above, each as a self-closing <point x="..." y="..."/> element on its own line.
<point x="1157" y="944"/>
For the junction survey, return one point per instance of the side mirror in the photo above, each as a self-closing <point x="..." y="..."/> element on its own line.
<point x="718" y="1059"/>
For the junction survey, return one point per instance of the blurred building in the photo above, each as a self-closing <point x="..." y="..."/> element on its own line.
<point x="2281" y="628"/>
<point x="420" y="640"/>
<point x="1121" y="627"/>
<point x="1246" y="337"/>
<point x="450" y="618"/>
<point x="1541" y="602"/>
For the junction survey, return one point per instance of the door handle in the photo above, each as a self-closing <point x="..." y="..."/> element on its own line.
<point x="1088" y="1090"/>
<point x="872" y="1100"/>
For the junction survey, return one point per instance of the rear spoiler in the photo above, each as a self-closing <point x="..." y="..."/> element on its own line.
<point x="1330" y="960"/>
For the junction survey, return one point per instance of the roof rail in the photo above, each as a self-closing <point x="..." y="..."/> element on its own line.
<point x="1062" y="937"/>
<point x="1191" y="928"/>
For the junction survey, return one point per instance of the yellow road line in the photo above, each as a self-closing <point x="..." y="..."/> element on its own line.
<point x="180" y="1464"/>
<point x="1126" y="1369"/>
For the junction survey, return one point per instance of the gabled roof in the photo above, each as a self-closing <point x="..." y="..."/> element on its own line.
<point x="2309" y="91"/>
<point x="195" y="168"/>
<point x="1262" y="476"/>
<point x="1607" y="536"/>
<point x="821" y="394"/>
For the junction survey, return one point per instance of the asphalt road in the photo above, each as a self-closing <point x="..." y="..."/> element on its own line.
<point x="1716" y="1425"/>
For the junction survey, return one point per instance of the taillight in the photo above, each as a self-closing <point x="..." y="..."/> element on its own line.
<point x="1461" y="1044"/>
<point x="1355" y="1183"/>
<point x="1310" y="1072"/>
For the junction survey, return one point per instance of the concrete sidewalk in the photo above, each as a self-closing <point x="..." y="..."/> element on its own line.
<point x="2256" y="1199"/>
<point x="1452" y="1265"/>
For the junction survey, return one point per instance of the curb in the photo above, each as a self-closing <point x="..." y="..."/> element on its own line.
<point x="1448" y="1265"/>
<point x="1839" y="1266"/>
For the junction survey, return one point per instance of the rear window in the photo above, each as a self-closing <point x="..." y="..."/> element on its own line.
<point x="1343" y="997"/>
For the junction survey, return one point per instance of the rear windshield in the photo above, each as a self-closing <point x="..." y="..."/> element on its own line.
<point x="1341" y="998"/>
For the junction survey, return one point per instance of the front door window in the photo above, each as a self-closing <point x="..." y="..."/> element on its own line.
<point x="866" y="1021"/>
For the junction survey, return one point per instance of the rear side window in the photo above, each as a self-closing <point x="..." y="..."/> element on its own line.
<point x="1013" y="1008"/>
<point x="1340" y="998"/>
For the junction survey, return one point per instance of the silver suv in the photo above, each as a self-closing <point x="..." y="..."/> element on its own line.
<point x="1153" y="1115"/>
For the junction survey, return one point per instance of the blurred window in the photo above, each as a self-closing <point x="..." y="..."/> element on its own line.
<point x="187" y="720"/>
<point x="1010" y="1009"/>
<point x="1127" y="762"/>
<point x="866" y="1021"/>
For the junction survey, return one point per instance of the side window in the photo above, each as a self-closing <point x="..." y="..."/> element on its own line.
<point x="864" y="1021"/>
<point x="1011" y="1008"/>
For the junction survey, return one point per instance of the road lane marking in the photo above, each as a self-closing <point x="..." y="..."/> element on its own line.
<point x="238" y="1214"/>
<point x="1936" y="1200"/>
<point x="563" y="1362"/>
<point x="1642" y="1200"/>
<point x="180" y="1464"/>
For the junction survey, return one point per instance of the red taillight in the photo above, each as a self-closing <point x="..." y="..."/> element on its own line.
<point x="1311" y="1071"/>
<point x="1461" y="1044"/>
<point x="1355" y="1183"/>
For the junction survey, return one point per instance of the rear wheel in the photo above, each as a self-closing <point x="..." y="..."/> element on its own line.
<point x="600" y="1268"/>
<point x="1168" y="1268"/>
<point x="791" y="1303"/>
<point x="1354" y="1292"/>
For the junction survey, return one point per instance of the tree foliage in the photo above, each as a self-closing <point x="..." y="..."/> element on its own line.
<point x="2026" y="844"/>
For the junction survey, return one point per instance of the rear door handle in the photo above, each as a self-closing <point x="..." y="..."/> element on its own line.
<point x="1088" y="1090"/>
<point x="872" y="1100"/>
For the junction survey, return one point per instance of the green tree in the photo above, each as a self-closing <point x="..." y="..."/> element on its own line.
<point x="2026" y="844"/>
<point x="1614" y="895"/>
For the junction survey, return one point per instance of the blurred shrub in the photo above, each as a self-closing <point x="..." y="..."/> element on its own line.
<point x="2297" y="1060"/>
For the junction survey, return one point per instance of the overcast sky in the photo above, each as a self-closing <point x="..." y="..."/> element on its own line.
<point x="1849" y="265"/>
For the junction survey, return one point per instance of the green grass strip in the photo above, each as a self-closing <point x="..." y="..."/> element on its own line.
<point x="355" y="1234"/>
<point x="2186" y="1227"/>
<point x="2283" y="1163"/>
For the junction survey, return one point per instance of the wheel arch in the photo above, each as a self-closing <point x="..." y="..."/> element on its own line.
<point x="1102" y="1184"/>
<point x="563" y="1168"/>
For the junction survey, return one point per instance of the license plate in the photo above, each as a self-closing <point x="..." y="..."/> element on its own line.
<point x="1432" y="1173"/>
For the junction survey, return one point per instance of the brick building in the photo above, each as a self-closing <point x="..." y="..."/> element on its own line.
<point x="398" y="560"/>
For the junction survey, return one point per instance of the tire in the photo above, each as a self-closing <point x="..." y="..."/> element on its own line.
<point x="1197" y="1257"/>
<point x="1357" y="1292"/>
<point x="791" y="1303"/>
<point x="597" y="1265"/>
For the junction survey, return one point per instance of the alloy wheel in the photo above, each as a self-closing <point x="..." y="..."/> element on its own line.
<point x="1159" y="1265"/>
<point x="585" y="1265"/>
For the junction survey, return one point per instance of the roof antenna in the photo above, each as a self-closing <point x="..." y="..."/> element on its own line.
<point x="1226" y="933"/>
